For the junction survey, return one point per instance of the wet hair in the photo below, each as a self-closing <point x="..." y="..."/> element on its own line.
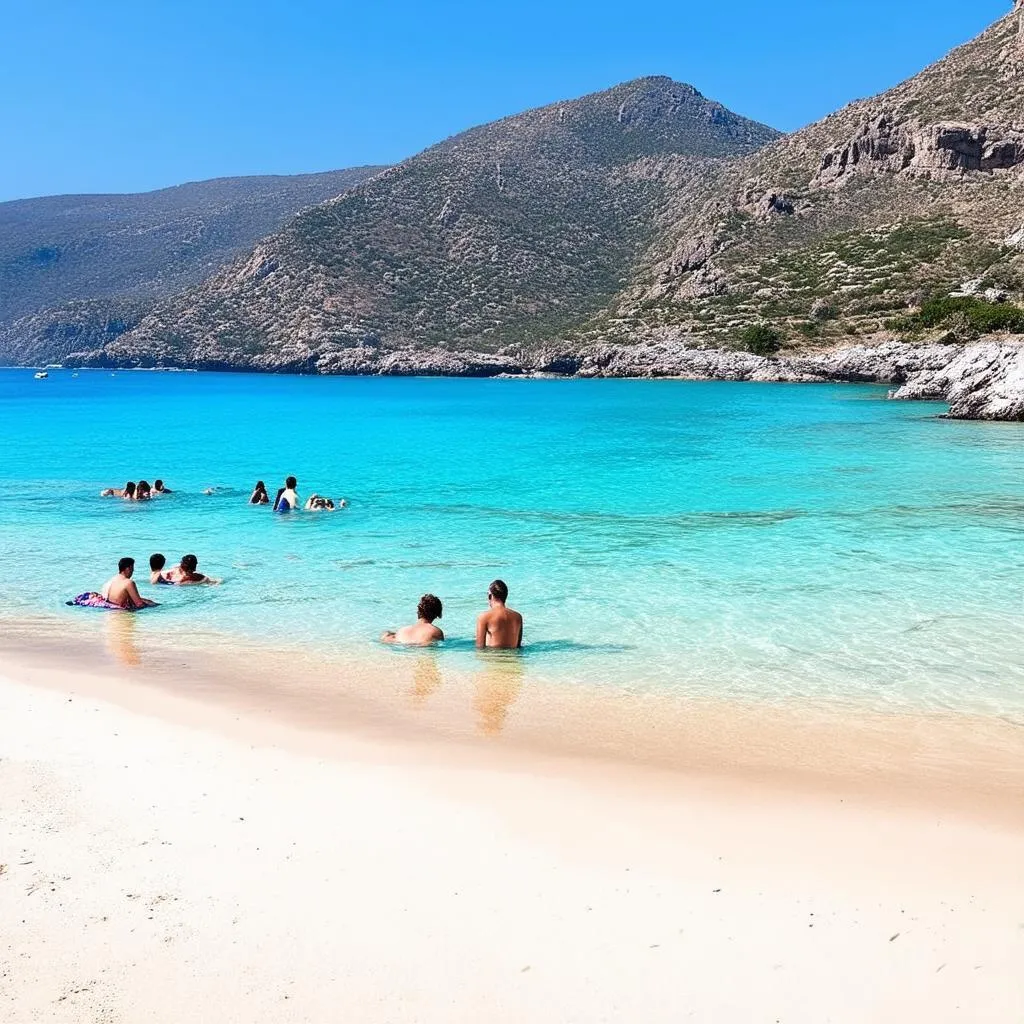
<point x="157" y="562"/>
<point x="158" y="485"/>
<point x="143" y="487"/>
<point x="125" y="563"/>
<point x="260" y="486"/>
<point x="129" y="488"/>
<point x="498" y="590"/>
<point x="429" y="608"/>
<point x="291" y="483"/>
<point x="189" y="563"/>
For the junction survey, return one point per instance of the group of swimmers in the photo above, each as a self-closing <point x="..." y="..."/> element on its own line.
<point x="499" y="626"/>
<point x="133" y="491"/>
<point x="288" y="500"/>
<point x="121" y="591"/>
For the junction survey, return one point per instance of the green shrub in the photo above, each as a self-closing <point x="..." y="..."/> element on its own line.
<point x="760" y="340"/>
<point x="967" y="311"/>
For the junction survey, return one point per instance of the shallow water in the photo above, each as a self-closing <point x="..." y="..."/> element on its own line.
<point x="776" y="542"/>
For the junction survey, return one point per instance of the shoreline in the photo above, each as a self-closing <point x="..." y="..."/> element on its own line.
<point x="980" y="380"/>
<point x="967" y="765"/>
<point x="162" y="847"/>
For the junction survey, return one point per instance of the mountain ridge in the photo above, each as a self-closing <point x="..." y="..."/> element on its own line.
<point x="62" y="255"/>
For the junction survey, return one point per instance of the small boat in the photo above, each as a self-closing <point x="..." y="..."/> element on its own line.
<point x="42" y="375"/>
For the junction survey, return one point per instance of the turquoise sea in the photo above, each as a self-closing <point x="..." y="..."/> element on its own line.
<point x="767" y="542"/>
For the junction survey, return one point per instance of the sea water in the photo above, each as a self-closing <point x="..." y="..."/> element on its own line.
<point x="755" y="541"/>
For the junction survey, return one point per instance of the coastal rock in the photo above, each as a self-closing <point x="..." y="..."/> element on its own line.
<point x="982" y="382"/>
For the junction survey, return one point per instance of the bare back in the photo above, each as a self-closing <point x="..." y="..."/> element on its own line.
<point x="501" y="627"/>
<point x="121" y="591"/>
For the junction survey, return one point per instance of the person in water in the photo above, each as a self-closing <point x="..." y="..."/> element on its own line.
<point x="185" y="573"/>
<point x="499" y="626"/>
<point x="127" y="492"/>
<point x="317" y="503"/>
<point x="143" y="492"/>
<point x="121" y="589"/>
<point x="287" y="497"/>
<point x="158" y="488"/>
<point x="423" y="632"/>
<point x="156" y="569"/>
<point x="259" y="494"/>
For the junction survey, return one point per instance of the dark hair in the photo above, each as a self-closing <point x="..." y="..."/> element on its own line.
<point x="158" y="484"/>
<point x="129" y="488"/>
<point x="429" y="608"/>
<point x="125" y="563"/>
<point x="143" y="486"/>
<point x="291" y="483"/>
<point x="498" y="590"/>
<point x="157" y="562"/>
<point x="189" y="563"/>
<point x="260" y="486"/>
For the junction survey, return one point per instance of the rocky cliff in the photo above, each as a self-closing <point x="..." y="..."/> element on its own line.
<point x="843" y="228"/>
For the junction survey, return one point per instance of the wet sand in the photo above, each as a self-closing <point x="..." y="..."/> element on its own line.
<point x="444" y="849"/>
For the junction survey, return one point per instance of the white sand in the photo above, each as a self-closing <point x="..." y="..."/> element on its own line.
<point x="182" y="865"/>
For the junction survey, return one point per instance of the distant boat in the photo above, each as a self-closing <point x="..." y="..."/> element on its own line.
<point x="42" y="375"/>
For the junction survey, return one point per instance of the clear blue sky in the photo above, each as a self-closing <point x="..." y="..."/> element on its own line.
<point x="114" y="96"/>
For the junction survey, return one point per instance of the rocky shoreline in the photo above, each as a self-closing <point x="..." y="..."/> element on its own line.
<point x="981" y="381"/>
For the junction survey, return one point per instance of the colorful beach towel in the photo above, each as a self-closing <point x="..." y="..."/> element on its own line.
<point x="91" y="599"/>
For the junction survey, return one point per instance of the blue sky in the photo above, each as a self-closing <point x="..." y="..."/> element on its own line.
<point x="111" y="96"/>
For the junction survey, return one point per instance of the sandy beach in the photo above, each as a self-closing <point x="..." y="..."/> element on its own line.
<point x="165" y="859"/>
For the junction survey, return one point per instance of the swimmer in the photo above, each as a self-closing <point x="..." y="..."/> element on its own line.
<point x="287" y="498"/>
<point x="424" y="632"/>
<point x="158" y="488"/>
<point x="185" y="573"/>
<point x="259" y="494"/>
<point x="128" y="491"/>
<point x="121" y="589"/>
<point x="143" y="492"/>
<point x="319" y="504"/>
<point x="499" y="626"/>
<point x="156" y="569"/>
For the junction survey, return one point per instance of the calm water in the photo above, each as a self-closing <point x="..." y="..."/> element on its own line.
<point x="770" y="541"/>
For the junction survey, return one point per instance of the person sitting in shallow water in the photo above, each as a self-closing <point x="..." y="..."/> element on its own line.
<point x="259" y="494"/>
<point x="499" y="626"/>
<point x="127" y="492"/>
<point x="185" y="573"/>
<point x="423" y="632"/>
<point x="122" y="590"/>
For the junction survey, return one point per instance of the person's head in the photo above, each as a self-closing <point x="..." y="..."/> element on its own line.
<point x="429" y="608"/>
<point x="158" y="485"/>
<point x="126" y="567"/>
<point x="189" y="563"/>
<point x="261" y="487"/>
<point x="156" y="562"/>
<point x="498" y="591"/>
<point x="143" y="490"/>
<point x="291" y="483"/>
<point x="129" y="489"/>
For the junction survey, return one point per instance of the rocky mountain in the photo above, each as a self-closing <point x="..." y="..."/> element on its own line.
<point x="80" y="268"/>
<point x="847" y="227"/>
<point x="509" y="234"/>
